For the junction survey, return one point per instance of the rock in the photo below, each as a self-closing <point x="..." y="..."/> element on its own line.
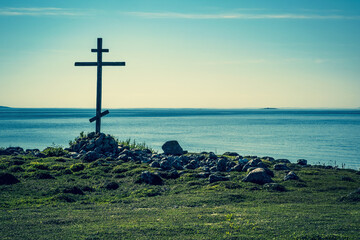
<point x="257" y="163"/>
<point x="216" y="178"/>
<point x="212" y="156"/>
<point x="173" y="174"/>
<point x="282" y="161"/>
<point x="302" y="162"/>
<point x="90" y="156"/>
<point x="151" y="178"/>
<point x="231" y="154"/>
<point x="172" y="148"/>
<point x="165" y="165"/>
<point x="155" y="164"/>
<point x="281" y="166"/>
<point x="222" y="165"/>
<point x="271" y="159"/>
<point x="258" y="176"/>
<point x="192" y="165"/>
<point x="12" y="151"/>
<point x="291" y="176"/>
<point x="177" y="165"/>
<point x="274" y="187"/>
<point x="237" y="168"/>
<point x="7" y="179"/>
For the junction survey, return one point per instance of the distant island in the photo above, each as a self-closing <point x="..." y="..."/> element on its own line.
<point x="4" y="107"/>
<point x="269" y="108"/>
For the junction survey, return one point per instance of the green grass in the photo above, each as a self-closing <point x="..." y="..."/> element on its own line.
<point x="183" y="208"/>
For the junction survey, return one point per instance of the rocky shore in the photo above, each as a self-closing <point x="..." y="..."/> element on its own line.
<point x="169" y="164"/>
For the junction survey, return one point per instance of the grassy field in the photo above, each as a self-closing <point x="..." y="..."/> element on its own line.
<point x="61" y="198"/>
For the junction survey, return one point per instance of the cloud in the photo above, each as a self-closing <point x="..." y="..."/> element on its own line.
<point x="176" y="15"/>
<point x="48" y="11"/>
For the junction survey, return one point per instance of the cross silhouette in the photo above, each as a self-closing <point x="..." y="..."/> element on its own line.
<point x="99" y="50"/>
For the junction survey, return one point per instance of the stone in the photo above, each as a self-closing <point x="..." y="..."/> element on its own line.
<point x="155" y="164"/>
<point x="231" y="154"/>
<point x="281" y="166"/>
<point x="222" y="165"/>
<point x="192" y="165"/>
<point x="291" y="176"/>
<point x="172" y="148"/>
<point x="212" y="155"/>
<point x="216" y="178"/>
<point x="254" y="163"/>
<point x="165" y="165"/>
<point x="302" y="162"/>
<point x="258" y="176"/>
<point x="282" y="161"/>
<point x="237" y="168"/>
<point x="7" y="179"/>
<point x="90" y="156"/>
<point x="151" y="178"/>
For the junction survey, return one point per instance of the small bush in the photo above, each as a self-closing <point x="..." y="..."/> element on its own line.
<point x="111" y="186"/>
<point x="38" y="165"/>
<point x="7" y="179"/>
<point x="77" y="167"/>
<point x="64" y="198"/>
<point x="43" y="175"/>
<point x="16" y="169"/>
<point x="58" y="167"/>
<point x="54" y="151"/>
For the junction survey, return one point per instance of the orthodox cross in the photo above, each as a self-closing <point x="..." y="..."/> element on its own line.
<point x="99" y="50"/>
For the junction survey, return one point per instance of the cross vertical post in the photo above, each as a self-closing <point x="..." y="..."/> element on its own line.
<point x="98" y="84"/>
<point x="99" y="50"/>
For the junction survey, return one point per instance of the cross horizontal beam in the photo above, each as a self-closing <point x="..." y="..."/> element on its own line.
<point x="101" y="50"/>
<point x="98" y="117"/>
<point x="101" y="64"/>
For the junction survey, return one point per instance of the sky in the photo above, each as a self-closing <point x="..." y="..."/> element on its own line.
<point x="181" y="54"/>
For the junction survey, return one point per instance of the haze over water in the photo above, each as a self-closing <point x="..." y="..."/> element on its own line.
<point x="321" y="136"/>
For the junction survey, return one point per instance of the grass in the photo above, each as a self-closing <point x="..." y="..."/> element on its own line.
<point x="77" y="204"/>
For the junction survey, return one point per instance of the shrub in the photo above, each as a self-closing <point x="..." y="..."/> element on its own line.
<point x="7" y="179"/>
<point x="16" y="169"/>
<point x="77" y="167"/>
<point x="54" y="151"/>
<point x="58" y="167"/>
<point x="38" y="165"/>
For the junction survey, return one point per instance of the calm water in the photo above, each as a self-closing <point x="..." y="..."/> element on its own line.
<point x="325" y="136"/>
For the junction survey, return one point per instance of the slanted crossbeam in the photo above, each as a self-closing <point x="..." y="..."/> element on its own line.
<point x="99" y="50"/>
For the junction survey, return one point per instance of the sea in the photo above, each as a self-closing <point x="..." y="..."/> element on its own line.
<point x="322" y="136"/>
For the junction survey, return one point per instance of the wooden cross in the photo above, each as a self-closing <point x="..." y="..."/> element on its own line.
<point x="99" y="50"/>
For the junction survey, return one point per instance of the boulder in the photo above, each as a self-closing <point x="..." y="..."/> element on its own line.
<point x="151" y="178"/>
<point x="302" y="162"/>
<point x="237" y="168"/>
<point x="172" y="148"/>
<point x="280" y="166"/>
<point x="217" y="178"/>
<point x="291" y="176"/>
<point x="222" y="165"/>
<point x="257" y="163"/>
<point x="212" y="156"/>
<point x="258" y="176"/>
<point x="90" y="156"/>
<point x="231" y="154"/>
